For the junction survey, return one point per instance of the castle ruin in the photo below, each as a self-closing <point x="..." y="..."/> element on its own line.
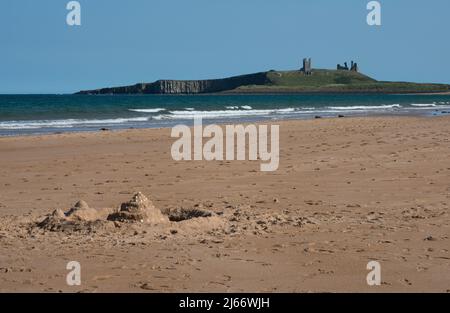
<point x="307" y="68"/>
<point x="353" y="67"/>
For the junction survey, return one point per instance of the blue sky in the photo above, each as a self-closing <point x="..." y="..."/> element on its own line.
<point x="124" y="42"/>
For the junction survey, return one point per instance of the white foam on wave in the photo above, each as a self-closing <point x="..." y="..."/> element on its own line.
<point x="67" y="123"/>
<point x="422" y="105"/>
<point x="221" y="113"/>
<point x="147" y="110"/>
<point x="236" y="107"/>
<point x="367" y="107"/>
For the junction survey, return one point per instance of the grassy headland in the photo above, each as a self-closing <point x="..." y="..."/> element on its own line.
<point x="330" y="81"/>
<point x="320" y="81"/>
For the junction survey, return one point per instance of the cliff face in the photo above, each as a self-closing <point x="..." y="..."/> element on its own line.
<point x="185" y="86"/>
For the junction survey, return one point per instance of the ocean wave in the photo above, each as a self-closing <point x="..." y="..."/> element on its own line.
<point x="231" y="112"/>
<point x="421" y="105"/>
<point x="367" y="107"/>
<point x="221" y="113"/>
<point x="236" y="107"/>
<point x="67" y="123"/>
<point x="147" y="110"/>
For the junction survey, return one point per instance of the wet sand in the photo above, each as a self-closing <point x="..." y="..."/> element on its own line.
<point x="348" y="191"/>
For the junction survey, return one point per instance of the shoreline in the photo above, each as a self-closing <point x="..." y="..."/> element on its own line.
<point x="221" y="122"/>
<point x="233" y="92"/>
<point x="331" y="92"/>
<point x="50" y="114"/>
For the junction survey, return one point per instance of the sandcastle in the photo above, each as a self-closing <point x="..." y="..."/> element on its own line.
<point x="81" y="212"/>
<point x="140" y="209"/>
<point x="77" y="215"/>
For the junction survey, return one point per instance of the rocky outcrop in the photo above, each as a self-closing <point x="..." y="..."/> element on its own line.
<point x="185" y="86"/>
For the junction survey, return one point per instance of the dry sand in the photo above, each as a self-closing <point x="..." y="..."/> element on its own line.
<point x="348" y="191"/>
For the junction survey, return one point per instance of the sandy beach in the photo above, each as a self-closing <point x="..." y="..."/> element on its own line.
<point x="347" y="191"/>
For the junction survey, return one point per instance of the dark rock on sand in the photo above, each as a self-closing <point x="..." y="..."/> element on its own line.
<point x="182" y="214"/>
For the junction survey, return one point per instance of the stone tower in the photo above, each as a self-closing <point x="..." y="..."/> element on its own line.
<point x="306" y="69"/>
<point x="354" y="67"/>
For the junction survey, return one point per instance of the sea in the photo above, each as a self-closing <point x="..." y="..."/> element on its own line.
<point x="41" y="114"/>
